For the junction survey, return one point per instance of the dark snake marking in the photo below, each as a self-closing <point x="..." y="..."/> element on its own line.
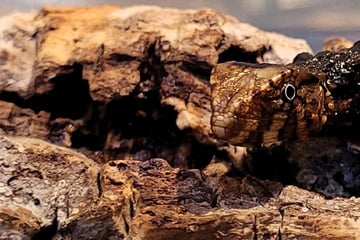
<point x="262" y="104"/>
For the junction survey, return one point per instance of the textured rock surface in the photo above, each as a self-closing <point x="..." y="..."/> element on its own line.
<point x="123" y="83"/>
<point x="17" y="52"/>
<point x="42" y="185"/>
<point x="160" y="202"/>
<point x="336" y="43"/>
<point x="23" y="121"/>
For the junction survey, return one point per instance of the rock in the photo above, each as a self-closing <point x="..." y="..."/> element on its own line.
<point x="23" y="121"/>
<point x="42" y="186"/>
<point x="160" y="202"/>
<point x="41" y="199"/>
<point x="336" y="43"/>
<point x="18" y="52"/>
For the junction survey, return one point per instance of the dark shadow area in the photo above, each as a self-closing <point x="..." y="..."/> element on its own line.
<point x="134" y="117"/>
<point x="69" y="97"/>
<point x="47" y="232"/>
<point x="272" y="164"/>
<point x="234" y="53"/>
<point x="333" y="174"/>
<point x="200" y="69"/>
<point x="201" y="154"/>
<point x="142" y="129"/>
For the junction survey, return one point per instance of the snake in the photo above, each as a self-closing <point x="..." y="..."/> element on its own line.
<point x="260" y="104"/>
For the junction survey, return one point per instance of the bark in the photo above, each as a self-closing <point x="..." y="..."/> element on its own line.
<point x="123" y="83"/>
<point x="42" y="185"/>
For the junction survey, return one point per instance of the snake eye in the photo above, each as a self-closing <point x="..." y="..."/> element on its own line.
<point x="289" y="92"/>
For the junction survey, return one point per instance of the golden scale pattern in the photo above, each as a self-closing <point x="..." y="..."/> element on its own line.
<point x="263" y="104"/>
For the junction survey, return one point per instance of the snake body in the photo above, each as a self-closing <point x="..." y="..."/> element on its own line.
<point x="263" y="104"/>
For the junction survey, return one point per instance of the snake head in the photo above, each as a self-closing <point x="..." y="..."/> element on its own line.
<point x="264" y="104"/>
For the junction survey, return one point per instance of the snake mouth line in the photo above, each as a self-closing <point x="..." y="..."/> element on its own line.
<point x="240" y="130"/>
<point x="222" y="121"/>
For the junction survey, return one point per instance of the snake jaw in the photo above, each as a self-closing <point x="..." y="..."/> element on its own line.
<point x="262" y="104"/>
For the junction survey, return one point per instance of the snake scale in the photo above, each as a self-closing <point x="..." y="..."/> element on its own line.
<point x="263" y="104"/>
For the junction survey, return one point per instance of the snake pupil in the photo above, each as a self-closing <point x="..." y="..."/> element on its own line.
<point x="289" y="92"/>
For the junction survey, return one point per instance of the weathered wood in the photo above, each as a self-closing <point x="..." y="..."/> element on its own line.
<point x="151" y="200"/>
<point x="133" y="85"/>
<point x="41" y="183"/>
<point x="167" y="203"/>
